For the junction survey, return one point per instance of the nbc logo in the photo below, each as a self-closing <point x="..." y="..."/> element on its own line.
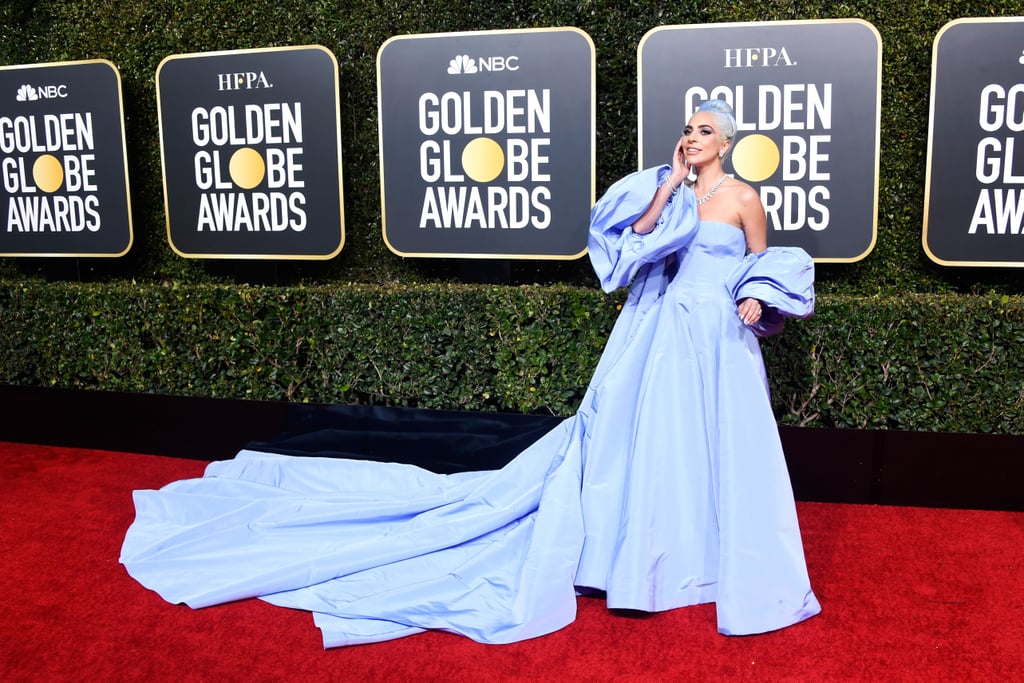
<point x="462" y="64"/>
<point x="27" y="93"/>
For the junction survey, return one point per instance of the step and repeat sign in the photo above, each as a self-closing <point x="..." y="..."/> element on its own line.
<point x="806" y="96"/>
<point x="64" y="189"/>
<point x="974" y="191"/>
<point x="487" y="143"/>
<point x="251" y="148"/>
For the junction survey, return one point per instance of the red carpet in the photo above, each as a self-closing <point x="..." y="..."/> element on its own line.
<point x="909" y="594"/>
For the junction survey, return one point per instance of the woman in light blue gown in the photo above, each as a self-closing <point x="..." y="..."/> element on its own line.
<point x="667" y="488"/>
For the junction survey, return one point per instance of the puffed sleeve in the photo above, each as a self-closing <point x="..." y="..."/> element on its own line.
<point x="616" y="252"/>
<point x="782" y="279"/>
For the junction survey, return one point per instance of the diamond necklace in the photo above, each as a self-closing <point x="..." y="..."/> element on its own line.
<point x="712" y="191"/>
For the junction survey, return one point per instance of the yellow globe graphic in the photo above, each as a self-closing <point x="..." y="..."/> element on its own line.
<point x="755" y="157"/>
<point x="47" y="173"/>
<point x="483" y="159"/>
<point x="247" y="168"/>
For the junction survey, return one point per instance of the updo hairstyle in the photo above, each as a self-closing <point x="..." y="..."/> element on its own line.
<point x="722" y="112"/>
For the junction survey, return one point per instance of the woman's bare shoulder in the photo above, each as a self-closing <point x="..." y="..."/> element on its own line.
<point x="743" y="192"/>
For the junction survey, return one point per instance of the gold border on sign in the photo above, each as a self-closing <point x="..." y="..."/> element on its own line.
<point x="124" y="161"/>
<point x="337" y="123"/>
<point x="931" y="137"/>
<point x="593" y="138"/>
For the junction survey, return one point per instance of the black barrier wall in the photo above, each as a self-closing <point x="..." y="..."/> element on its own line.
<point x="864" y="466"/>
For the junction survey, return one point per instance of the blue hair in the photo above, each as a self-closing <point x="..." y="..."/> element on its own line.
<point x="722" y="112"/>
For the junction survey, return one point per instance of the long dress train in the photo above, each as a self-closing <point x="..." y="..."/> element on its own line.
<point x="667" y="488"/>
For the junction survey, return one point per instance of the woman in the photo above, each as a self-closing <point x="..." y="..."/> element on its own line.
<point x="667" y="488"/>
<point x="706" y="472"/>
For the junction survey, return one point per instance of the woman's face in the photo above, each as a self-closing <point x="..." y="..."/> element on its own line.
<point x="702" y="141"/>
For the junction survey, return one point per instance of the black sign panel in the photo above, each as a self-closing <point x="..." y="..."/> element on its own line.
<point x="974" y="194"/>
<point x="64" y="189"/>
<point x="806" y="96"/>
<point x="487" y="143"/>
<point x="252" y="153"/>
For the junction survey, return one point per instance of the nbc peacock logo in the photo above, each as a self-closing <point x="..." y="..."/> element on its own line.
<point x="26" y="93"/>
<point x="462" y="64"/>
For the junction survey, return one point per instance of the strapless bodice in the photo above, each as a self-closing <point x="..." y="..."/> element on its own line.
<point x="711" y="256"/>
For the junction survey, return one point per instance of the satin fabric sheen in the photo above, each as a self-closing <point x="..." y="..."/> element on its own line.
<point x="667" y="488"/>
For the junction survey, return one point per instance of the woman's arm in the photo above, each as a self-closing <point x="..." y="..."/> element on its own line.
<point x="752" y="220"/>
<point x="755" y="229"/>
<point x="649" y="218"/>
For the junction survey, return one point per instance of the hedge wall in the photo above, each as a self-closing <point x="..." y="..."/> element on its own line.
<point x="897" y="342"/>
<point x="918" y="362"/>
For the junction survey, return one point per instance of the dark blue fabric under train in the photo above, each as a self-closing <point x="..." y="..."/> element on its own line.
<point x="667" y="488"/>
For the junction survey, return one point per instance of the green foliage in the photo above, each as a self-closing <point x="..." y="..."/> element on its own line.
<point x="430" y="346"/>
<point x="925" y="363"/>
<point x="898" y="342"/>
<point x="939" y="362"/>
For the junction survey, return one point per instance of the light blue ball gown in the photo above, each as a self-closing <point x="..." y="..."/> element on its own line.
<point x="667" y="488"/>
